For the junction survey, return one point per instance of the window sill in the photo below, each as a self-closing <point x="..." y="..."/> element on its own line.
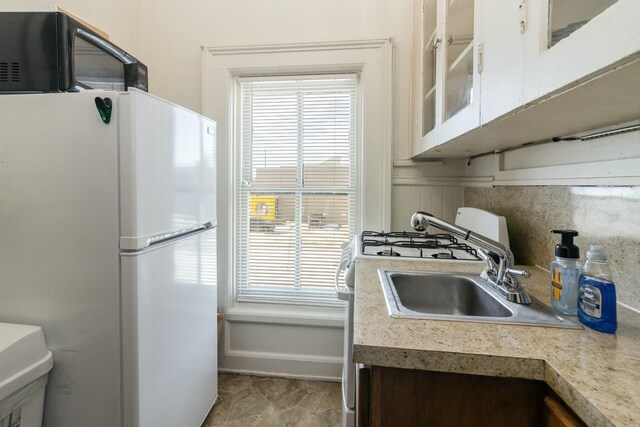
<point x="286" y="315"/>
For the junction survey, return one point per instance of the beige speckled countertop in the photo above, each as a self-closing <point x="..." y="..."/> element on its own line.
<point x="598" y="375"/>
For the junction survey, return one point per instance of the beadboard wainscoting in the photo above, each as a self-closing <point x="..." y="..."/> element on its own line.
<point x="434" y="187"/>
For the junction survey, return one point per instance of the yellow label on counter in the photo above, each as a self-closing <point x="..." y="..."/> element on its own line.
<point x="556" y="282"/>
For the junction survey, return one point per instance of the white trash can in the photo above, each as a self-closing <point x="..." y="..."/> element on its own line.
<point x="25" y="363"/>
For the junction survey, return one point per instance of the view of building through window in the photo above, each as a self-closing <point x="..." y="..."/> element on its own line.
<point x="296" y="185"/>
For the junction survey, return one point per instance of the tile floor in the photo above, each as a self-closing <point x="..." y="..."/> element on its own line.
<point x="275" y="402"/>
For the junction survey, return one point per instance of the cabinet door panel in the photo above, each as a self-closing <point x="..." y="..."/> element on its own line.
<point x="461" y="91"/>
<point x="426" y="41"/>
<point x="503" y="59"/>
<point x="408" y="398"/>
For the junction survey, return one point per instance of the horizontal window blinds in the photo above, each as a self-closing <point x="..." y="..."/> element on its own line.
<point x="296" y="186"/>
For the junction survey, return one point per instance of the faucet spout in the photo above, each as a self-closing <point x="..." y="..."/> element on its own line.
<point x="501" y="277"/>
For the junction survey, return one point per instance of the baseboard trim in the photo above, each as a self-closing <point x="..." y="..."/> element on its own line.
<point x="279" y="375"/>
<point x="283" y="365"/>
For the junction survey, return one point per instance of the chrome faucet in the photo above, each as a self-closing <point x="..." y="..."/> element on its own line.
<point x="502" y="277"/>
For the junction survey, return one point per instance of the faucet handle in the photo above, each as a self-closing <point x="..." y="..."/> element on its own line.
<point x="518" y="273"/>
<point x="490" y="265"/>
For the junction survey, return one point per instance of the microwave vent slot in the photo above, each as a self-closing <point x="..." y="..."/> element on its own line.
<point x="4" y="71"/>
<point x="9" y="72"/>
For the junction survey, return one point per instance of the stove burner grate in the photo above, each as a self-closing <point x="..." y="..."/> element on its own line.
<point x="416" y="240"/>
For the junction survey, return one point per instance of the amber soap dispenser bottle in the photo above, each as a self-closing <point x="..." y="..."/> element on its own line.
<point x="565" y="274"/>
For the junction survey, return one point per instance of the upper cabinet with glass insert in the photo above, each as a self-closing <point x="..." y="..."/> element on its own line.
<point x="445" y="72"/>
<point x="568" y="40"/>
<point x="493" y="74"/>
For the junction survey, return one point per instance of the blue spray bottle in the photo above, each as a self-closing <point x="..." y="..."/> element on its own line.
<point x="597" y="293"/>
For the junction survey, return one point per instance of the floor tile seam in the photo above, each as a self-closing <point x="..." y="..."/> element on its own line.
<point x="235" y="399"/>
<point x="263" y="411"/>
<point x="280" y="395"/>
<point x="236" y="421"/>
<point x="269" y="400"/>
<point x="279" y="411"/>
<point x="240" y="419"/>
<point x="326" y="392"/>
<point x="228" y="410"/>
<point x="280" y="418"/>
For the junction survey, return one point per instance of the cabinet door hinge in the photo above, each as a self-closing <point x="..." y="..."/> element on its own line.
<point x="480" y="57"/>
<point x="436" y="44"/>
<point x="523" y="16"/>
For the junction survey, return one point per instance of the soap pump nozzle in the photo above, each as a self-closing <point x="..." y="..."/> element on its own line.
<point x="566" y="248"/>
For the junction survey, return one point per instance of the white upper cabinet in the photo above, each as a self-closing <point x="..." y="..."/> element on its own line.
<point x="492" y="74"/>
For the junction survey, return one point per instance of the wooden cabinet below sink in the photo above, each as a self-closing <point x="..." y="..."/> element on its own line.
<point x="403" y="397"/>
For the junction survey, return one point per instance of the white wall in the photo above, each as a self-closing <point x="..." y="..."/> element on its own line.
<point x="174" y="31"/>
<point x="121" y="19"/>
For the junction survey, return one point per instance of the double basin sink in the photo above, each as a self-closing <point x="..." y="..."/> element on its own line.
<point x="460" y="297"/>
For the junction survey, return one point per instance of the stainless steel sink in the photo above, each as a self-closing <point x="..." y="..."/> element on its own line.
<point x="460" y="297"/>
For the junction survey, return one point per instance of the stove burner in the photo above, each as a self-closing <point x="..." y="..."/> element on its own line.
<point x="444" y="255"/>
<point x="387" y="252"/>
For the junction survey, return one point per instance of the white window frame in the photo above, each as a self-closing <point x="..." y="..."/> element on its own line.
<point x="372" y="61"/>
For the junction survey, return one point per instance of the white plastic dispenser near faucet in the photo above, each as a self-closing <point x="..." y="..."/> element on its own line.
<point x="486" y="223"/>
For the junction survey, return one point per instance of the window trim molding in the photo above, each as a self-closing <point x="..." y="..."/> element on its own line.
<point x="371" y="59"/>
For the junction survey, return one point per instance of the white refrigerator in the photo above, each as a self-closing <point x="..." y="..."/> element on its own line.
<point x="108" y="241"/>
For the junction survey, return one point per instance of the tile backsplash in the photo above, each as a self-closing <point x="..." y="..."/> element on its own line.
<point x="602" y="215"/>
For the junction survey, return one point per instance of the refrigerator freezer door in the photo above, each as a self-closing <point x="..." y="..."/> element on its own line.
<point x="59" y="261"/>
<point x="169" y="332"/>
<point x="167" y="167"/>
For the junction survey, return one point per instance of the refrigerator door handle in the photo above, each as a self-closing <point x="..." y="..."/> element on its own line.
<point x="136" y="244"/>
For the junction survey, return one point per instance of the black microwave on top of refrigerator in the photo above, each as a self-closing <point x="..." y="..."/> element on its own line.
<point x="52" y="52"/>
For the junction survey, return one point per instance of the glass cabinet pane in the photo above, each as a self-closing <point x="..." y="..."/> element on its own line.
<point x="459" y="53"/>
<point x="429" y="13"/>
<point x="566" y="16"/>
<point x="460" y="83"/>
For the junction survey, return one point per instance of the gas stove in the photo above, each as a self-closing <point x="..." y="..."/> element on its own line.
<point x="415" y="245"/>
<point x="373" y="244"/>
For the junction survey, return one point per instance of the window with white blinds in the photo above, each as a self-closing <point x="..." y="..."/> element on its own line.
<point x="296" y="185"/>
